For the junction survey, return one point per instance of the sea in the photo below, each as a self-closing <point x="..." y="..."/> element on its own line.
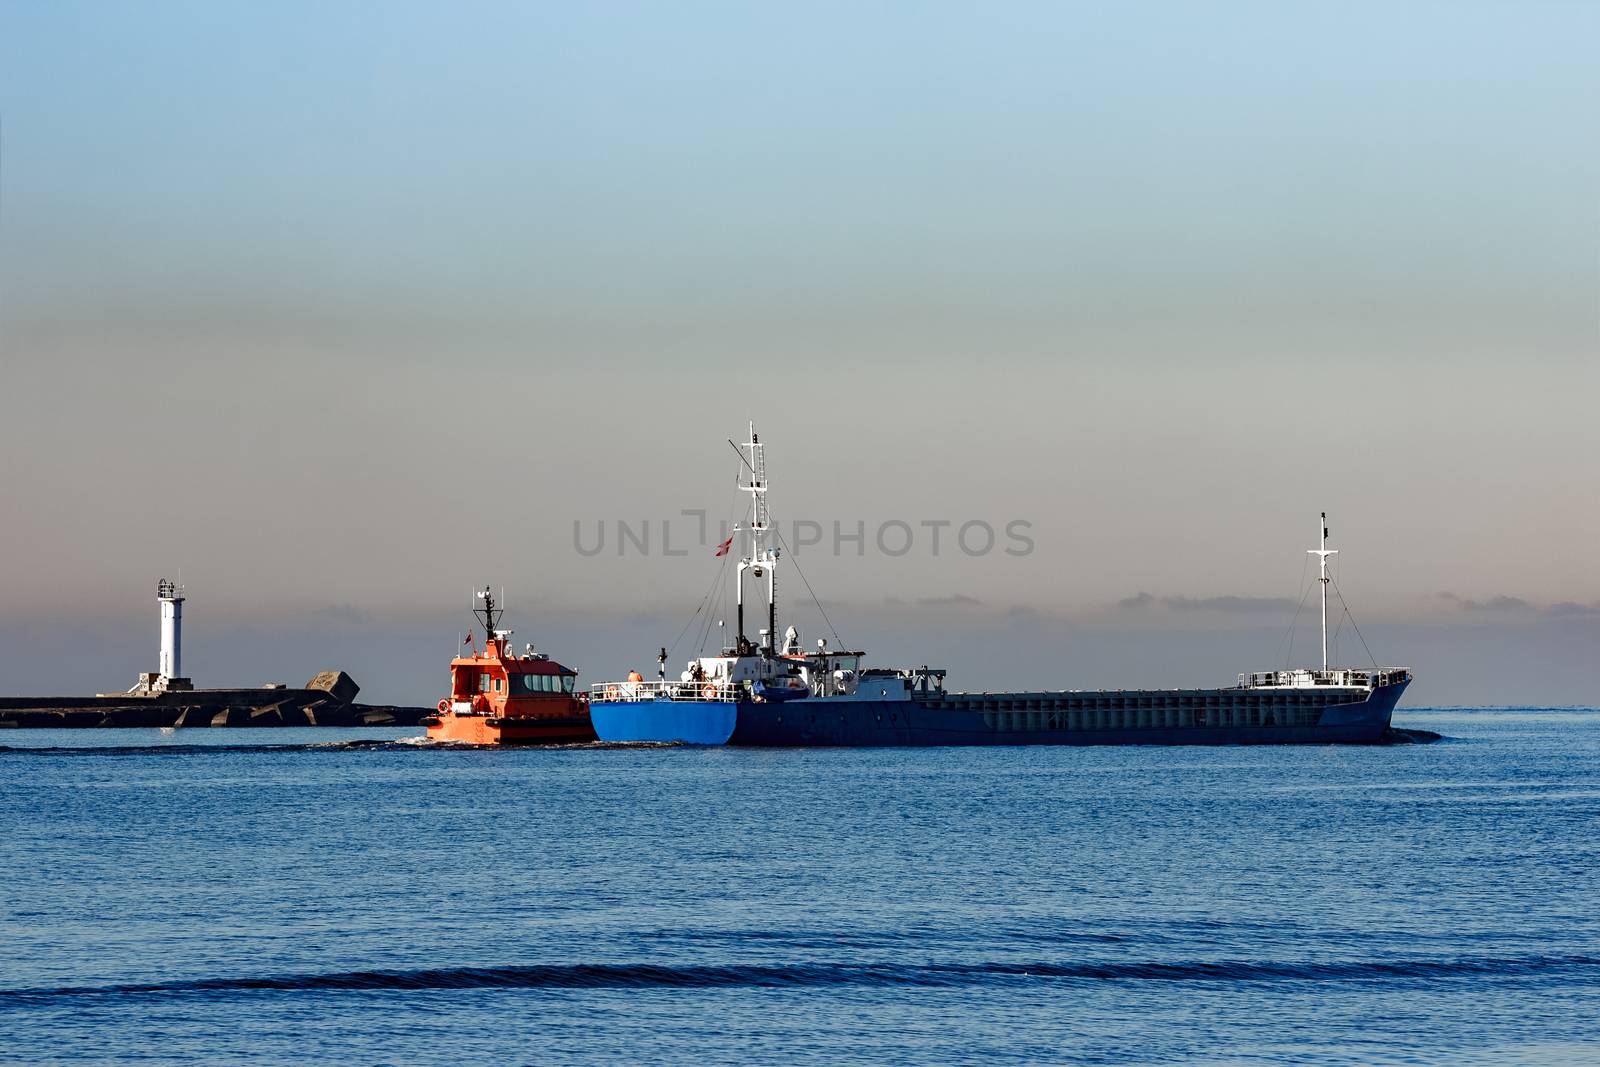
<point x="363" y="897"/>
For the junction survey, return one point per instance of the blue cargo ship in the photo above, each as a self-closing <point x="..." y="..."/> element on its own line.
<point x="760" y="693"/>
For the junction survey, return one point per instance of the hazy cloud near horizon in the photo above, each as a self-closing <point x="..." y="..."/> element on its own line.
<point x="342" y="315"/>
<point x="1210" y="603"/>
<point x="1516" y="605"/>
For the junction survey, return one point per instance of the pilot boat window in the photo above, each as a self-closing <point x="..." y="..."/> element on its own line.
<point x="544" y="683"/>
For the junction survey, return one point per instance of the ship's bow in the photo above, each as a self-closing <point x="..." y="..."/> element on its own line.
<point x="1367" y="720"/>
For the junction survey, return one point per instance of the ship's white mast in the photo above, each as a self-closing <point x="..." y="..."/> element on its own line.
<point x="761" y="558"/>
<point x="1322" y="555"/>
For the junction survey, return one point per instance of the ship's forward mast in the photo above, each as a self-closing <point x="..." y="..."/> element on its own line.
<point x="761" y="557"/>
<point x="1347" y="677"/>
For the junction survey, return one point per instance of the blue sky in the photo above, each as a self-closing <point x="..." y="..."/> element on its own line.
<point x="345" y="304"/>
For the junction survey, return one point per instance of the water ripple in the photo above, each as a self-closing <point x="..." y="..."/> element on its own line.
<point x="808" y="975"/>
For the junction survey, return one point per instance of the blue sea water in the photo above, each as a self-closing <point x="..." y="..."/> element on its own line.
<point x="288" y="897"/>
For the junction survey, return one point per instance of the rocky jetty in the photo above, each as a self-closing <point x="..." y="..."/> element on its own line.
<point x="327" y="700"/>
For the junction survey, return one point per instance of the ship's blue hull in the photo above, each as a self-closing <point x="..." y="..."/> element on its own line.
<point x="689" y="722"/>
<point x="1189" y="717"/>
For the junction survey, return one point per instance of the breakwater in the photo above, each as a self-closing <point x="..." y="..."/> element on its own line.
<point x="326" y="700"/>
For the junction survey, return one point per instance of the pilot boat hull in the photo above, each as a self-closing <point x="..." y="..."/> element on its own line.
<point x="489" y="730"/>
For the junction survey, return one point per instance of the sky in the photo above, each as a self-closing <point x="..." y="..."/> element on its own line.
<point x="338" y="310"/>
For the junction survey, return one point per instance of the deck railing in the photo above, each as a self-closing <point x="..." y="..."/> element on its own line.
<point x="659" y="690"/>
<point x="1341" y="677"/>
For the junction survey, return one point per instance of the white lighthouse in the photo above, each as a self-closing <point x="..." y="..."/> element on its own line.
<point x="170" y="595"/>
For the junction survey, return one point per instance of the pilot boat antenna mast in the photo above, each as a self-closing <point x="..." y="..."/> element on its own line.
<point x="1322" y="555"/>
<point x="762" y="558"/>
<point x="489" y="614"/>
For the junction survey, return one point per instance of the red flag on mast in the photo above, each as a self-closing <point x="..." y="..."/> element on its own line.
<point x="722" y="549"/>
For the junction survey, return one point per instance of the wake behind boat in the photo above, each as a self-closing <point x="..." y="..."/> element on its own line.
<point x="758" y="693"/>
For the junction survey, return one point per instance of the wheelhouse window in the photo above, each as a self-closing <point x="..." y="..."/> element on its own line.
<point x="544" y="683"/>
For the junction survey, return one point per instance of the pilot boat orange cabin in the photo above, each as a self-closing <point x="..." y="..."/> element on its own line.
<point x="500" y="698"/>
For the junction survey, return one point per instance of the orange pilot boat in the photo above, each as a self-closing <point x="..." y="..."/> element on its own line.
<point x="500" y="698"/>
